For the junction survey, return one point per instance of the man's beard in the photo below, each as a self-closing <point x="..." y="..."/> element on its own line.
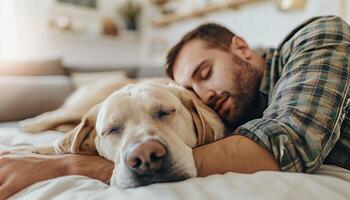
<point x="243" y="92"/>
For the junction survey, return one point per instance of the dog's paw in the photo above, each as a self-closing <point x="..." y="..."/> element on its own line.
<point x="48" y="150"/>
<point x="19" y="149"/>
<point x="30" y="125"/>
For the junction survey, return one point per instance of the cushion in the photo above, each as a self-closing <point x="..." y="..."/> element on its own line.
<point x="32" y="68"/>
<point x="81" y="78"/>
<point x="23" y="97"/>
<point x="148" y="72"/>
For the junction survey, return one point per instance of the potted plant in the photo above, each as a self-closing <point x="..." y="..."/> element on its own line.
<point x="130" y="12"/>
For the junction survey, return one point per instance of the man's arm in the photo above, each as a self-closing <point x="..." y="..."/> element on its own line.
<point x="233" y="154"/>
<point x="20" y="171"/>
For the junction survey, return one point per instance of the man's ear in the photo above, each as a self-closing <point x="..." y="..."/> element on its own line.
<point x="240" y="48"/>
<point x="81" y="139"/>
<point x="207" y="123"/>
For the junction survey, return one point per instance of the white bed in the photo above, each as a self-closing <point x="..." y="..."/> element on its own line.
<point x="330" y="182"/>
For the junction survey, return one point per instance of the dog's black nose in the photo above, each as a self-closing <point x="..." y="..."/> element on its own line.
<point x="146" y="158"/>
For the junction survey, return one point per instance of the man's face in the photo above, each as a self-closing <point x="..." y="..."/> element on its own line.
<point x="220" y="78"/>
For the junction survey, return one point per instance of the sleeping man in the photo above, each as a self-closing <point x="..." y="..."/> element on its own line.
<point x="289" y="107"/>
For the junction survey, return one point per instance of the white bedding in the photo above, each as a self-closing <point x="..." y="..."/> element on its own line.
<point x="330" y="182"/>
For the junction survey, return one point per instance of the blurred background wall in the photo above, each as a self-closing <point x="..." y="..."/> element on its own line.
<point x="26" y="31"/>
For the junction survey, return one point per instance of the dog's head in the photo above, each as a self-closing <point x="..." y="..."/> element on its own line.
<point x="149" y="131"/>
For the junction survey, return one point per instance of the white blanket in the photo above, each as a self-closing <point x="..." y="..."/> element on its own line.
<point x="330" y="182"/>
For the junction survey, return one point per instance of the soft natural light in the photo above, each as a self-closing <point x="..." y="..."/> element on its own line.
<point x="8" y="40"/>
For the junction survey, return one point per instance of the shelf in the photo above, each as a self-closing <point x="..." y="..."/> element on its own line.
<point x="172" y="18"/>
<point x="126" y="36"/>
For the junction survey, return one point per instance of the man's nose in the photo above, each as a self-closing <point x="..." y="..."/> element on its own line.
<point x="206" y="95"/>
<point x="147" y="157"/>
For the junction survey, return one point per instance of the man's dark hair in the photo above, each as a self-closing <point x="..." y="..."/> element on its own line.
<point x="214" y="34"/>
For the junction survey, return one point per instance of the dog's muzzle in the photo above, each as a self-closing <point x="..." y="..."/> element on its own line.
<point x="149" y="162"/>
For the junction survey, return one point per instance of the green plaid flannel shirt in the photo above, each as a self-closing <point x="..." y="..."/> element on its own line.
<point x="306" y="89"/>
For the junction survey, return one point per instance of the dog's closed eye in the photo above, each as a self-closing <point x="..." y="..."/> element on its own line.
<point x="165" y="112"/>
<point x="115" y="130"/>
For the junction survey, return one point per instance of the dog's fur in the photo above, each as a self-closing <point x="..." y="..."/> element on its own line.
<point x="115" y="115"/>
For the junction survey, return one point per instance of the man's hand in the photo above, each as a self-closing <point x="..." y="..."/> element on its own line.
<point x="19" y="171"/>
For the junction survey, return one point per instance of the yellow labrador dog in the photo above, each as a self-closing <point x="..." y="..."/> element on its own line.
<point x="148" y="129"/>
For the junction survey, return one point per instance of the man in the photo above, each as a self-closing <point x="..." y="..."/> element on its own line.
<point x="302" y="88"/>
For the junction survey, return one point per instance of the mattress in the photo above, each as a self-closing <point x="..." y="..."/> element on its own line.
<point x="330" y="182"/>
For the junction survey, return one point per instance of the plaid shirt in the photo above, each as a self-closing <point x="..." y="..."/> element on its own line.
<point x="306" y="90"/>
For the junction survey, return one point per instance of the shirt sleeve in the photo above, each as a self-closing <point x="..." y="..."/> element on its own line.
<point x="303" y="120"/>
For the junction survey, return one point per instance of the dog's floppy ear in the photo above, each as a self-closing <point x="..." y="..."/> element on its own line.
<point x="204" y="132"/>
<point x="208" y="124"/>
<point x="81" y="139"/>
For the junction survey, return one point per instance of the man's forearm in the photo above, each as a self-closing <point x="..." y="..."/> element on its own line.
<point x="233" y="154"/>
<point x="92" y="166"/>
